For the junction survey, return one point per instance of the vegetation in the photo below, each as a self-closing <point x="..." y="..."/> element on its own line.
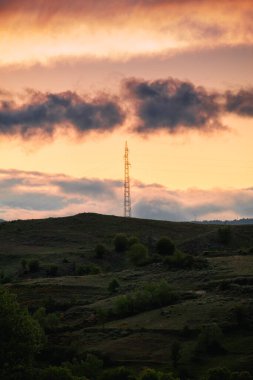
<point x="224" y="235"/>
<point x="165" y="246"/>
<point x="21" y="337"/>
<point x="113" y="286"/>
<point x="120" y="242"/>
<point x="92" y="311"/>
<point x="152" y="296"/>
<point x="138" y="254"/>
<point x="100" y="251"/>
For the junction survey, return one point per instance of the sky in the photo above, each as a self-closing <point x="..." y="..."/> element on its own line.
<point x="172" y="78"/>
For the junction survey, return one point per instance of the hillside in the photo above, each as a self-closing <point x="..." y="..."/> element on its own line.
<point x="207" y="284"/>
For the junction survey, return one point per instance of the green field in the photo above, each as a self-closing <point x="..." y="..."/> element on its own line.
<point x="72" y="282"/>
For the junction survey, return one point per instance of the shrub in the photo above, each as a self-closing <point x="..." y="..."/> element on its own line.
<point x="224" y="235"/>
<point x="100" y="251"/>
<point x="47" y="321"/>
<point x="88" y="269"/>
<point x="175" y="353"/>
<point x="184" y="261"/>
<point x="149" y="374"/>
<point x="138" y="254"/>
<point x="153" y="295"/>
<point x="113" y="286"/>
<point x="165" y="246"/>
<point x="56" y="373"/>
<point x="152" y="374"/>
<point x="24" y="264"/>
<point x="218" y="373"/>
<point x="120" y="243"/>
<point x="90" y="367"/>
<point x="210" y="339"/>
<point x="244" y="375"/>
<point x="133" y="240"/>
<point x="53" y="269"/>
<point x="34" y="266"/>
<point x="21" y="336"/>
<point x="119" y="373"/>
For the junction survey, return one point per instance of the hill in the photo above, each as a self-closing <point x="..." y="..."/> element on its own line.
<point x="158" y="314"/>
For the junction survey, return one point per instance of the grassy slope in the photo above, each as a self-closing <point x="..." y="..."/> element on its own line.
<point x="146" y="338"/>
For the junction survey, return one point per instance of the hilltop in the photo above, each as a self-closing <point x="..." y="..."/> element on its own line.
<point x="206" y="284"/>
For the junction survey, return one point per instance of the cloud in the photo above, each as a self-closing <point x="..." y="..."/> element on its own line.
<point x="240" y="102"/>
<point x="43" y="113"/>
<point x="36" y="201"/>
<point x="38" y="31"/>
<point x="39" y="195"/>
<point x="196" y="204"/>
<point x="173" y="105"/>
<point x="95" y="188"/>
<point x="170" y="105"/>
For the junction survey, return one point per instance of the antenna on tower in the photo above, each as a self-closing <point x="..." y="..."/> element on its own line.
<point x="127" y="197"/>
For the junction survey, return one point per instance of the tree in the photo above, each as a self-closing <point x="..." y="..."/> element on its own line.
<point x="34" y="266"/>
<point x="138" y="254"/>
<point x="133" y="240"/>
<point x="21" y="337"/>
<point x="149" y="374"/>
<point x="165" y="246"/>
<point x="175" y="353"/>
<point x="100" y="251"/>
<point x="113" y="286"/>
<point x="224" y="235"/>
<point x="210" y="339"/>
<point x="118" y="373"/>
<point x="120" y="243"/>
<point x="218" y="373"/>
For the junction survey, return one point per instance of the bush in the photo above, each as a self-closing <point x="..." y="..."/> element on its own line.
<point x="218" y="373"/>
<point x="224" y="235"/>
<point x="210" y="339"/>
<point x="52" y="271"/>
<point x="47" y="321"/>
<point x="100" y="251"/>
<point x="149" y="374"/>
<point x="138" y="254"/>
<point x="34" y="266"/>
<point x="88" y="269"/>
<point x="133" y="240"/>
<point x="90" y="367"/>
<point x="152" y="296"/>
<point x="165" y="246"/>
<point x="119" y="373"/>
<point x="120" y="243"/>
<point x="152" y="374"/>
<point x="113" y="286"/>
<point x="21" y="336"/>
<point x="184" y="261"/>
<point x="56" y="373"/>
<point x="175" y="353"/>
<point x="244" y="375"/>
<point x="24" y="264"/>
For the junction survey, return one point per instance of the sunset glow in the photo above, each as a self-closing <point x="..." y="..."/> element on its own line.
<point x="174" y="79"/>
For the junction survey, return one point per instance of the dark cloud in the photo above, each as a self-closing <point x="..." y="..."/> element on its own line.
<point x="89" y="187"/>
<point x="173" y="105"/>
<point x="177" y="205"/>
<point x="36" y="201"/>
<point x="169" y="104"/>
<point x="161" y="209"/>
<point x="43" y="113"/>
<point x="240" y="102"/>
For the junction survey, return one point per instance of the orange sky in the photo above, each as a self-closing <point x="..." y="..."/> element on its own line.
<point x="92" y="51"/>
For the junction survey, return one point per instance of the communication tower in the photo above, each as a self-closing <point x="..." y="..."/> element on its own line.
<point x="127" y="197"/>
